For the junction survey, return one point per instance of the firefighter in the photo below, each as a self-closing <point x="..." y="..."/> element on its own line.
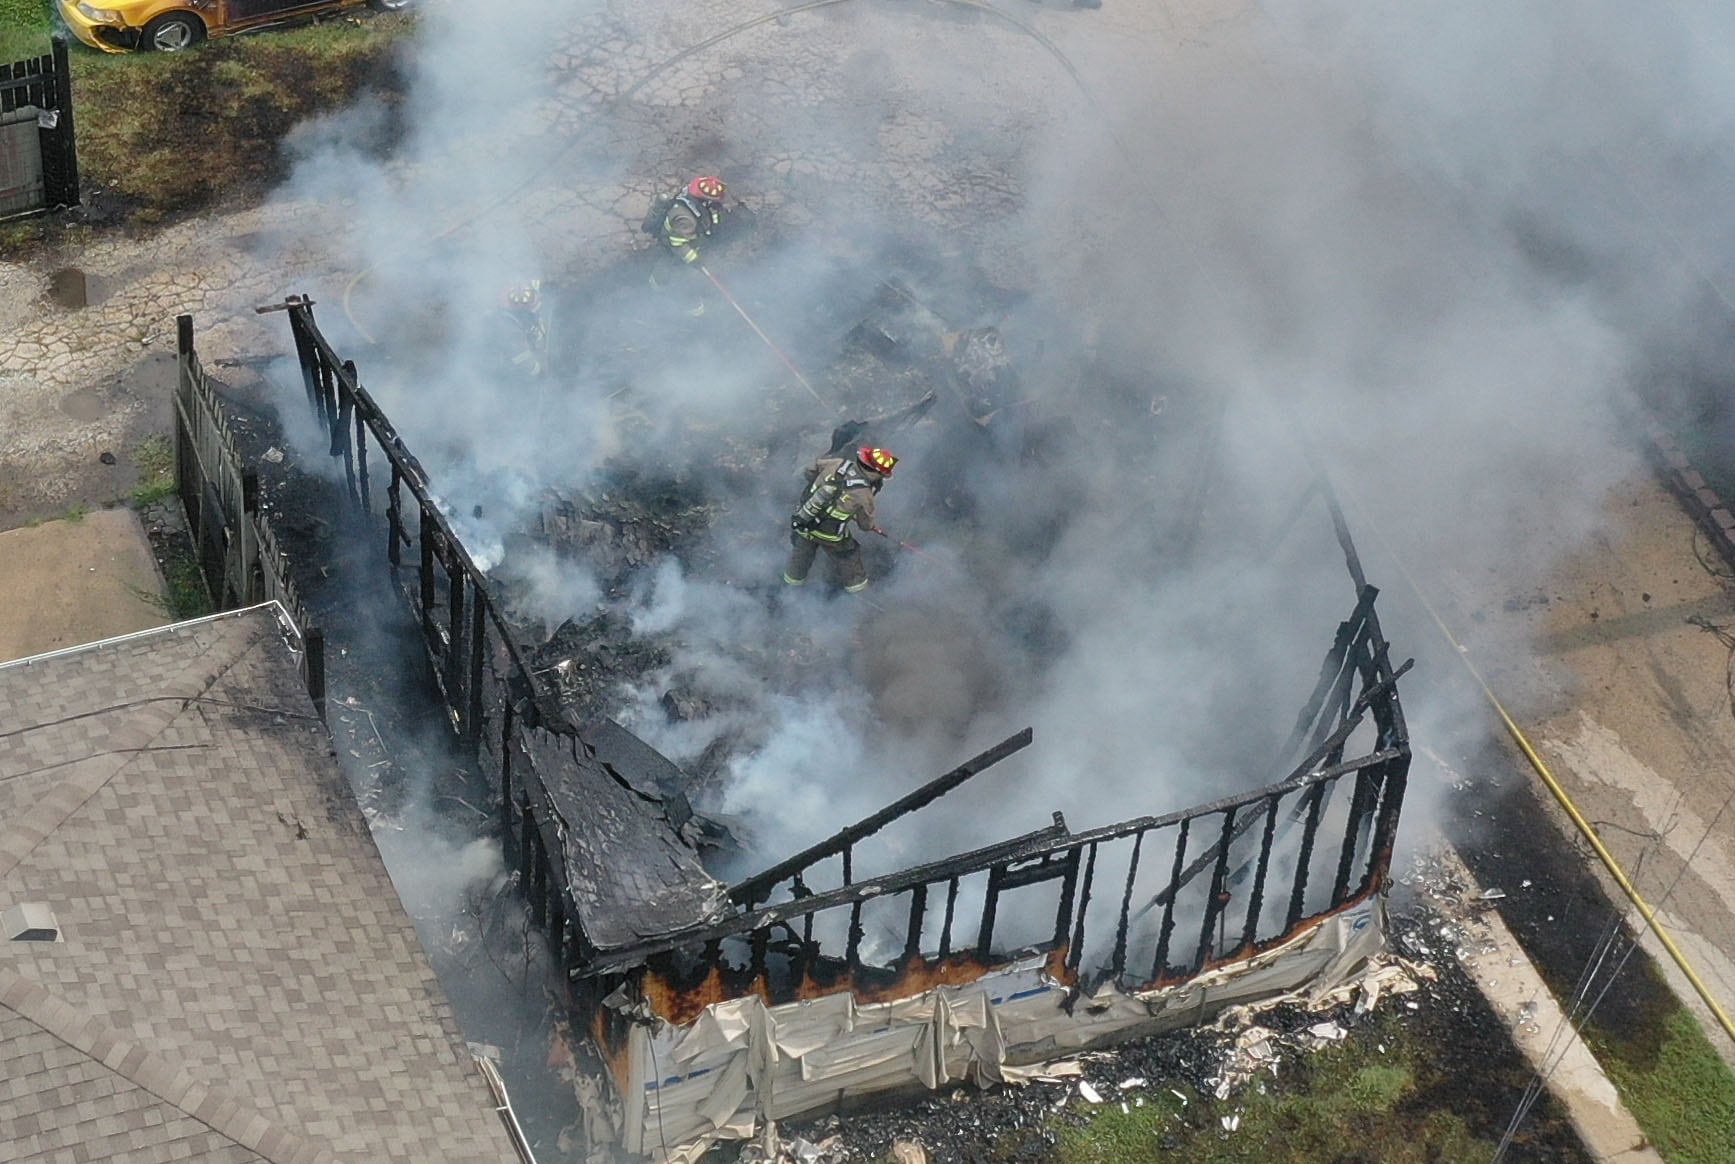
<point x="839" y="490"/>
<point x="521" y="305"/>
<point x="693" y="214"/>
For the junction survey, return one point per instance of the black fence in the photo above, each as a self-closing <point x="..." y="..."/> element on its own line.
<point x="38" y="150"/>
<point x="1185" y="891"/>
<point x="236" y="548"/>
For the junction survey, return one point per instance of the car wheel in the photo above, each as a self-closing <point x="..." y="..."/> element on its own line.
<point x="174" y="32"/>
<point x="390" y="5"/>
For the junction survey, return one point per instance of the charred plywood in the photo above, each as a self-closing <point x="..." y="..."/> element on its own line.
<point x="618" y="850"/>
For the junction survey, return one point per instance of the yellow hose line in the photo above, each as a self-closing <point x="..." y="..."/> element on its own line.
<point x="1578" y="819"/>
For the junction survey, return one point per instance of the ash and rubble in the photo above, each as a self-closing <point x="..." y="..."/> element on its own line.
<point x="1207" y="1071"/>
<point x="674" y="495"/>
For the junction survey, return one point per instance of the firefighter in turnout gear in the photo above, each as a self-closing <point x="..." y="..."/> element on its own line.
<point x="693" y="214"/>
<point x="518" y="330"/>
<point x="839" y="490"/>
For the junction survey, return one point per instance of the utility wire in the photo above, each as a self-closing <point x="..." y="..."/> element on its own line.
<point x="182" y="699"/>
<point x="1631" y="948"/>
<point x="1574" y="1019"/>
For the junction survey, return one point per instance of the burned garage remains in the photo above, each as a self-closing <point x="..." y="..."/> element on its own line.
<point x="733" y="966"/>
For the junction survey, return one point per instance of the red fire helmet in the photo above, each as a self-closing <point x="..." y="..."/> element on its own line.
<point x="880" y="461"/>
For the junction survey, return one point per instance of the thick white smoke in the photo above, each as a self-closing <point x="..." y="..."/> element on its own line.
<point x="1427" y="244"/>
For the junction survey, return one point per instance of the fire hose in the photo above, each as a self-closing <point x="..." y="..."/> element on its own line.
<point x="919" y="551"/>
<point x="760" y="332"/>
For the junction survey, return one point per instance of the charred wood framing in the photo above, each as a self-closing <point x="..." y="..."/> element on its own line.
<point x="755" y="888"/>
<point x="237" y="549"/>
<point x="1186" y="891"/>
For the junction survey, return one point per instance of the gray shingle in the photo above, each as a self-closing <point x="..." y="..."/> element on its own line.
<point x="210" y="955"/>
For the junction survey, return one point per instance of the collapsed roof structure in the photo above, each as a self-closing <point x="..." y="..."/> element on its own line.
<point x="720" y="1007"/>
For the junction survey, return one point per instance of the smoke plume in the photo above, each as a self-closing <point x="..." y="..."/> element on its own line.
<point x="1423" y="248"/>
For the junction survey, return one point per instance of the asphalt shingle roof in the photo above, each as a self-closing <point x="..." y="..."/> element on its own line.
<point x="236" y="979"/>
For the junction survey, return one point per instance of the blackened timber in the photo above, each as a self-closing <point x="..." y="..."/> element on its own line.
<point x="478" y="652"/>
<point x="1069" y="890"/>
<point x="1076" y="952"/>
<point x="1335" y="665"/>
<point x="1118" y="961"/>
<point x="361" y="462"/>
<point x="1045" y="869"/>
<point x="426" y="544"/>
<point x="631" y="877"/>
<point x="913" y="927"/>
<point x="1351" y="835"/>
<point x="1315" y="801"/>
<point x="1160" y="967"/>
<point x="990" y="913"/>
<point x="396" y="539"/>
<point x="456" y="581"/>
<point x="1028" y="845"/>
<point x="1054" y="839"/>
<point x="1341" y="528"/>
<point x="946" y="926"/>
<point x="1217" y="901"/>
<point x="1256" y="898"/>
<point x="320" y="363"/>
<point x="1293" y="782"/>
<point x="756" y="888"/>
<point x="1392" y="789"/>
<point x="506" y="726"/>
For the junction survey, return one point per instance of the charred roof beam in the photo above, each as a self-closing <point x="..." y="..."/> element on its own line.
<point x="1057" y="839"/>
<point x="758" y="887"/>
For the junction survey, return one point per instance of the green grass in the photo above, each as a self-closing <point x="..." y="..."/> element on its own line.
<point x="178" y="132"/>
<point x="155" y="458"/>
<point x="175" y="133"/>
<point x="186" y="594"/>
<point x="25" y="26"/>
<point x="1675" y="1083"/>
<point x="188" y="597"/>
<point x="1348" y="1102"/>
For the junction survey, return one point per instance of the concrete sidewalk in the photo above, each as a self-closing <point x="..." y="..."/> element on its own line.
<point x="68" y="582"/>
<point x="1615" y="661"/>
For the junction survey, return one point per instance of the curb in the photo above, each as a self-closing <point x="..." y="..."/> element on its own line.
<point x="1538" y="1027"/>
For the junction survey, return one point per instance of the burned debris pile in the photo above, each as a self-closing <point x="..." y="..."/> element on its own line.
<point x="625" y="524"/>
<point x="722" y="1008"/>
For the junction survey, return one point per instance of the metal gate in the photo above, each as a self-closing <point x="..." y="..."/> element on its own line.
<point x="38" y="150"/>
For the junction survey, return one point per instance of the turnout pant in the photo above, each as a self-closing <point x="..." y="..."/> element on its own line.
<point x="845" y="559"/>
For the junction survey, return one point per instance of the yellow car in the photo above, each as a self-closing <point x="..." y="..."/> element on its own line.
<point x="117" y="26"/>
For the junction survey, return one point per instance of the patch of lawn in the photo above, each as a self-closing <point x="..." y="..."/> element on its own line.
<point x="188" y="597"/>
<point x="1352" y="1102"/>
<point x="25" y="26"/>
<point x="155" y="457"/>
<point x="71" y="515"/>
<point x="1678" y="1087"/>
<point x="170" y="134"/>
<point x="177" y="132"/>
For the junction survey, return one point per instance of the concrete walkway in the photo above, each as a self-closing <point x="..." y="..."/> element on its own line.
<point x="68" y="582"/>
<point x="1492" y="957"/>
